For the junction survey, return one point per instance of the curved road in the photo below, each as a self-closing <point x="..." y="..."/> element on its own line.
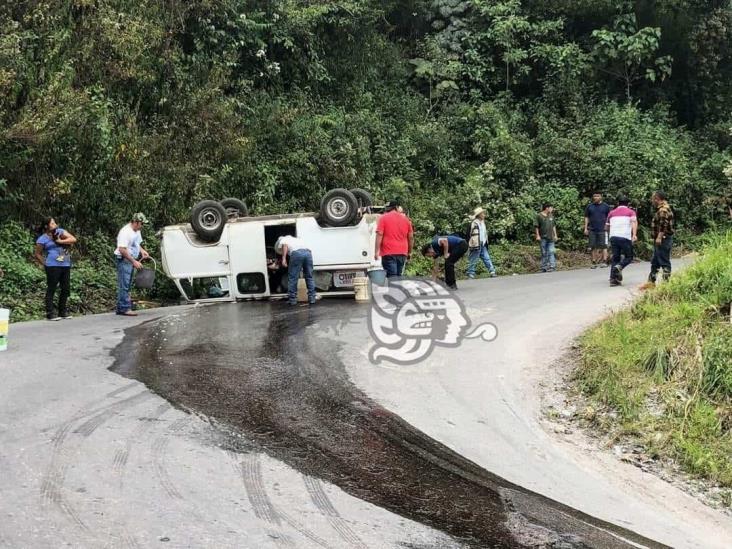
<point x="301" y="442"/>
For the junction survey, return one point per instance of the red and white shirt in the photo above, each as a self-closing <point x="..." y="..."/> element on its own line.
<point x="621" y="221"/>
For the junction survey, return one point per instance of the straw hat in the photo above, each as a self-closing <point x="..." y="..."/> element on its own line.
<point x="477" y="211"/>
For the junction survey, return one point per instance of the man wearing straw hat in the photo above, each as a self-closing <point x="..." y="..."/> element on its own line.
<point x="478" y="244"/>
<point x="129" y="249"/>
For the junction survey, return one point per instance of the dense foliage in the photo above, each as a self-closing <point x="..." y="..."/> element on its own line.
<point x="665" y="366"/>
<point x="114" y="106"/>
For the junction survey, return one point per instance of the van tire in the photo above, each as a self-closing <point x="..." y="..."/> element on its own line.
<point x="338" y="208"/>
<point x="234" y="208"/>
<point x="364" y="198"/>
<point x="208" y="218"/>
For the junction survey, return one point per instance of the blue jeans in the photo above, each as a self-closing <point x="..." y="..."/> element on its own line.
<point x="300" y="260"/>
<point x="393" y="264"/>
<point x="124" y="283"/>
<point x="548" y="260"/>
<point x="482" y="254"/>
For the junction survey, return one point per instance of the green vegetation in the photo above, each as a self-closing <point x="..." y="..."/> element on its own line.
<point x="113" y="106"/>
<point x="665" y="365"/>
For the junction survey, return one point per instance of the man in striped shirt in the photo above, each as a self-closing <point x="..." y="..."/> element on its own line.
<point x="622" y="225"/>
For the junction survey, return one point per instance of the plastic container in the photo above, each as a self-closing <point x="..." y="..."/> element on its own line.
<point x="4" y="325"/>
<point x="145" y="278"/>
<point x="361" y="287"/>
<point x="377" y="276"/>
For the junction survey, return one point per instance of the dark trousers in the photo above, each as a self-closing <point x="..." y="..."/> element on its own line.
<point x="455" y="254"/>
<point x="393" y="264"/>
<point x="661" y="258"/>
<point x="622" y="250"/>
<point x="56" y="276"/>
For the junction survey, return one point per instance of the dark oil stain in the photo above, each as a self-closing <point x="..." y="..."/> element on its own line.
<point x="259" y="369"/>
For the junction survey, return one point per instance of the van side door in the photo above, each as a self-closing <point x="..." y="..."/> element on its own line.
<point x="248" y="259"/>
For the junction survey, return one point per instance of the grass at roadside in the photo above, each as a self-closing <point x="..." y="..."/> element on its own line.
<point x="665" y="367"/>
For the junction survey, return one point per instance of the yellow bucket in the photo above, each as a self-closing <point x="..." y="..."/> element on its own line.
<point x="4" y="324"/>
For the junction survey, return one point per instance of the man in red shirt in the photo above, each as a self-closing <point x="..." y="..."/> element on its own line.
<point x="394" y="239"/>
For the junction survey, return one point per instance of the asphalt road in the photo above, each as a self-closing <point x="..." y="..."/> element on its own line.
<point x="291" y="437"/>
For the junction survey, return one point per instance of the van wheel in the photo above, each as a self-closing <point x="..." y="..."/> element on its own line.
<point x="234" y="208"/>
<point x="208" y="218"/>
<point x="364" y="198"/>
<point x="338" y="207"/>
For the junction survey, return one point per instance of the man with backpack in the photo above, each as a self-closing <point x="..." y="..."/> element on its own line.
<point x="478" y="244"/>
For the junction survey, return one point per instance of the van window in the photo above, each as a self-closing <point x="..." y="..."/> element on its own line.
<point x="209" y="287"/>
<point x="251" y="283"/>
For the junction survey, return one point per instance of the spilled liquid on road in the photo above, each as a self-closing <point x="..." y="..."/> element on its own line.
<point x="261" y="370"/>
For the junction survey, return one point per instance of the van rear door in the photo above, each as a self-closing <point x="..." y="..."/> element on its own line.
<point x="248" y="259"/>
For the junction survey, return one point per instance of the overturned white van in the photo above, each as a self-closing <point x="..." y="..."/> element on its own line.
<point x="235" y="266"/>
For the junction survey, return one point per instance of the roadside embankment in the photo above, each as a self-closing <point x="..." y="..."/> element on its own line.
<point x="659" y="374"/>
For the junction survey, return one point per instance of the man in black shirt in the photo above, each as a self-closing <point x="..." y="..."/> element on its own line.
<point x="595" y="220"/>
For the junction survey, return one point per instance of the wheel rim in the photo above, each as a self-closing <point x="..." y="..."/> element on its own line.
<point x="209" y="218"/>
<point x="232" y="213"/>
<point x="338" y="208"/>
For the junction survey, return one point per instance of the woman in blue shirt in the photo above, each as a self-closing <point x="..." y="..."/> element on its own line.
<point x="52" y="253"/>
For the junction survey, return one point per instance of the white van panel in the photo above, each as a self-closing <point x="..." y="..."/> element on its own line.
<point x="247" y="254"/>
<point x="337" y="245"/>
<point x="184" y="258"/>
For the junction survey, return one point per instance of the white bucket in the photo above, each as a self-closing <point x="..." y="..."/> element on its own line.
<point x="361" y="287"/>
<point x="4" y="325"/>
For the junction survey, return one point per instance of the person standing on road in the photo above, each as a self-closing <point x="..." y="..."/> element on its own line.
<point x="478" y="244"/>
<point x="296" y="257"/>
<point x="545" y="232"/>
<point x="622" y="226"/>
<point x="596" y="214"/>
<point x="662" y="232"/>
<point x="451" y="248"/>
<point x="127" y="255"/>
<point x="52" y="254"/>
<point x="394" y="239"/>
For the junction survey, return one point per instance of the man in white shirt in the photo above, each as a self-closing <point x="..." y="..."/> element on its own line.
<point x="127" y="254"/>
<point x="296" y="256"/>
<point x="622" y="224"/>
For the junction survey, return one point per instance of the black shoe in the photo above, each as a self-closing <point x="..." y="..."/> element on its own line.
<point x="666" y="275"/>
<point x="615" y="283"/>
<point x="53" y="318"/>
<point x="452" y="287"/>
<point x="618" y="272"/>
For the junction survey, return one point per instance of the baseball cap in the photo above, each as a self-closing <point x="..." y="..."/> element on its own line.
<point x="395" y="203"/>
<point x="139" y="216"/>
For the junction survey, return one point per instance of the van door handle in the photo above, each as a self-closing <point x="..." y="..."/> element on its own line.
<point x="223" y="262"/>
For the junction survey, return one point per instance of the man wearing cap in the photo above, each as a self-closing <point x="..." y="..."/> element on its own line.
<point x="129" y="250"/>
<point x="478" y="244"/>
<point x="394" y="239"/>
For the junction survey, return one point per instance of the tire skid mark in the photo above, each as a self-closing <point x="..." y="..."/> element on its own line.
<point x="122" y="454"/>
<point x="159" y="447"/>
<point x="91" y="425"/>
<point x="321" y="500"/>
<point x="53" y="481"/>
<point x="251" y="473"/>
